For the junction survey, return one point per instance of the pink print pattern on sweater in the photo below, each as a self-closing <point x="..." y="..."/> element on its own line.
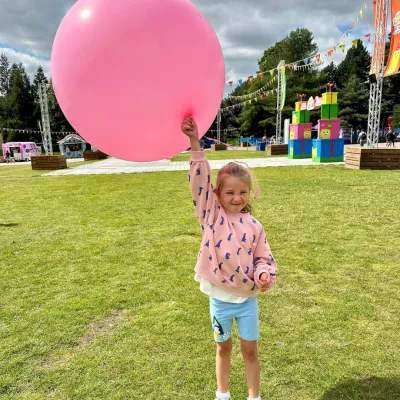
<point x="234" y="250"/>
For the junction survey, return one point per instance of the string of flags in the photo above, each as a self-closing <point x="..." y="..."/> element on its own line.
<point x="315" y="60"/>
<point x="254" y="94"/>
<point x="31" y="131"/>
<point x="226" y="130"/>
<point x="255" y="98"/>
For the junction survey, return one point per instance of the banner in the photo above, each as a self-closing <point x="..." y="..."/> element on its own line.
<point x="283" y="86"/>
<point x="393" y="63"/>
<point x="379" y="46"/>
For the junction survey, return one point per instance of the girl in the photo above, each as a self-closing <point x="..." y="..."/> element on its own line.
<point x="234" y="261"/>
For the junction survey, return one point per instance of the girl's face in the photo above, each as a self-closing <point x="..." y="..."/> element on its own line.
<point x="234" y="195"/>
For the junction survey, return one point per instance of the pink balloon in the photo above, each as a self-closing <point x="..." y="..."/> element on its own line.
<point x="127" y="72"/>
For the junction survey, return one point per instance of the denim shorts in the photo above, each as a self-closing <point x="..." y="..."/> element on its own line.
<point x="246" y="316"/>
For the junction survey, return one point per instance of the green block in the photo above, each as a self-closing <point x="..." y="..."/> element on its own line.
<point x="327" y="160"/>
<point x="333" y="111"/>
<point x="300" y="116"/>
<point x="325" y="111"/>
<point x="307" y="116"/>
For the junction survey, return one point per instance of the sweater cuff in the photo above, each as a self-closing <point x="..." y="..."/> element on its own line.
<point x="197" y="155"/>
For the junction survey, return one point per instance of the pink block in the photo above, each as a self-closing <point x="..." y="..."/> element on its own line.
<point x="323" y="124"/>
<point x="297" y="131"/>
<point x="335" y="128"/>
<point x="308" y="126"/>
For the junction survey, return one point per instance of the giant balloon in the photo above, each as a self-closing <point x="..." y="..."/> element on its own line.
<point x="127" y="72"/>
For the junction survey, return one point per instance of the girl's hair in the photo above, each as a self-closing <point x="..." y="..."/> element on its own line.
<point x="238" y="171"/>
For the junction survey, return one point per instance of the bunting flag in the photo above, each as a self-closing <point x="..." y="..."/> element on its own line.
<point x="230" y="83"/>
<point x="365" y="4"/>
<point x="32" y="131"/>
<point x="247" y="102"/>
<point x="342" y="47"/>
<point x="393" y="62"/>
<point x="240" y="82"/>
<point x="306" y="60"/>
<point x="368" y="37"/>
<point x="261" y="75"/>
<point x="355" y="43"/>
<point x="318" y="57"/>
<point x="250" y="78"/>
<point x="361" y="13"/>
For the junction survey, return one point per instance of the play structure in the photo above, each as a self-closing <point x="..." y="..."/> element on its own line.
<point x="329" y="146"/>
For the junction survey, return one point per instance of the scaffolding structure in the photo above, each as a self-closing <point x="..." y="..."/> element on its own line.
<point x="378" y="64"/>
<point x="45" y="127"/>
<point x="279" y="105"/>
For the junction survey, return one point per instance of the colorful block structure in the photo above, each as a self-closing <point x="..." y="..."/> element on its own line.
<point x="329" y="147"/>
<point x="300" y="143"/>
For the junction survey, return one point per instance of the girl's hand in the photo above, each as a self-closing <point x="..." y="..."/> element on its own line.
<point x="265" y="282"/>
<point x="189" y="128"/>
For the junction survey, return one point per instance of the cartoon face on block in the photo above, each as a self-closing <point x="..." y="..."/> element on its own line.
<point x="325" y="133"/>
<point x="292" y="134"/>
<point x="307" y="134"/>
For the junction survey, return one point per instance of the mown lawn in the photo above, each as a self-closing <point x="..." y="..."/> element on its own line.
<point x="97" y="298"/>
<point x="226" y="155"/>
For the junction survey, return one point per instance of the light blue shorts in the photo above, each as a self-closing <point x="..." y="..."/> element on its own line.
<point x="245" y="314"/>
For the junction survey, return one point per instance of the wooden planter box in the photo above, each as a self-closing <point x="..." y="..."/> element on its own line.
<point x="89" y="155"/>
<point x="217" y="147"/>
<point x="2" y="160"/>
<point x="245" y="144"/>
<point x="277" y="149"/>
<point x="49" y="162"/>
<point x="360" y="158"/>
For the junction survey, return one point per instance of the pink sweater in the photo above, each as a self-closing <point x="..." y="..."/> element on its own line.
<point x="234" y="250"/>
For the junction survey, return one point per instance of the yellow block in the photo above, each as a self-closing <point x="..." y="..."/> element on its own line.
<point x="325" y="134"/>
<point x="298" y="106"/>
<point x="291" y="151"/>
<point x="329" y="98"/>
<point x="292" y="134"/>
<point x="326" y="98"/>
<point x="307" y="134"/>
<point x="294" y="120"/>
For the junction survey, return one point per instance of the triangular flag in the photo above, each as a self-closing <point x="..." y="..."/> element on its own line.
<point x="271" y="72"/>
<point x="261" y="75"/>
<point x="361" y="13"/>
<point x="318" y="56"/>
<point x="342" y="47"/>
<point x="365" y="4"/>
<point x="355" y="43"/>
<point x="240" y="82"/>
<point x="341" y="41"/>
<point x="368" y="37"/>
<point x="357" y="18"/>
<point x="306" y="61"/>
<point x="250" y="78"/>
<point x="230" y="83"/>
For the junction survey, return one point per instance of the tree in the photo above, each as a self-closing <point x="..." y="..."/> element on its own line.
<point x="353" y="103"/>
<point x="4" y="75"/>
<point x="357" y="62"/>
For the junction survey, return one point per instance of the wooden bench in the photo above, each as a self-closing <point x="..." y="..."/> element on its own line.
<point x="217" y="147"/>
<point x="48" y="162"/>
<point x="277" y="149"/>
<point x="364" y="158"/>
<point x="89" y="155"/>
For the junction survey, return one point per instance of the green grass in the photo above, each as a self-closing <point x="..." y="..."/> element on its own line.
<point x="25" y="170"/>
<point x="226" y="155"/>
<point x="97" y="298"/>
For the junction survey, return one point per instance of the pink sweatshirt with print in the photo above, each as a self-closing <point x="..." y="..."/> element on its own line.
<point x="234" y="250"/>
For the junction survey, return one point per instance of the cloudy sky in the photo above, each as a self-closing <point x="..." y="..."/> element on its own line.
<point x="244" y="28"/>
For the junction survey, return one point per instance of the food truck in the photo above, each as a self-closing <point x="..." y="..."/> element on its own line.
<point x="21" y="151"/>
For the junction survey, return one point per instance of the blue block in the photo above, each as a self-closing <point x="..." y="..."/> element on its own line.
<point x="323" y="148"/>
<point x="338" y="148"/>
<point x="295" y="144"/>
<point x="307" y="147"/>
